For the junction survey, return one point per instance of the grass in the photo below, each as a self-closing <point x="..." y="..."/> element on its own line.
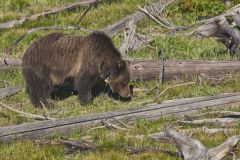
<point x="174" y="46"/>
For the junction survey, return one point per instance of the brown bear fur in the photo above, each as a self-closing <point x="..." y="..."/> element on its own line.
<point x="57" y="56"/>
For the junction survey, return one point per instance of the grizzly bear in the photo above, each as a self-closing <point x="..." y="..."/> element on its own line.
<point x="58" y="56"/>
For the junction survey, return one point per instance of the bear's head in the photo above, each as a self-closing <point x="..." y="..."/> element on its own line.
<point x="119" y="78"/>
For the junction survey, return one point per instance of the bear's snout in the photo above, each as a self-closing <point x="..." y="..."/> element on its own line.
<point x="125" y="92"/>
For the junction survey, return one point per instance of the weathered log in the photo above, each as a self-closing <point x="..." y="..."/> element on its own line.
<point x="192" y="149"/>
<point x="4" y="92"/>
<point x="10" y="64"/>
<point x="230" y="12"/>
<point x="144" y="70"/>
<point x="234" y="34"/>
<point x="237" y="19"/>
<point x="70" y="7"/>
<point x="223" y="32"/>
<point x="151" y="112"/>
<point x="113" y="29"/>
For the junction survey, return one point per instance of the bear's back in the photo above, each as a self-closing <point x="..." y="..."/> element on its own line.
<point x="53" y="49"/>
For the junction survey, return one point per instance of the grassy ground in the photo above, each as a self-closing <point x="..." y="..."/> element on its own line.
<point x="175" y="47"/>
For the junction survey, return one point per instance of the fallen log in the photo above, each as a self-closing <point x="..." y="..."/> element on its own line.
<point x="223" y="122"/>
<point x="70" y="7"/>
<point x="66" y="126"/>
<point x="10" y="64"/>
<point x="145" y="70"/>
<point x="4" y="92"/>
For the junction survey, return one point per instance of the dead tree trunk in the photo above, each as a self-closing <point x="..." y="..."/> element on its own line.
<point x="145" y="70"/>
<point x="151" y="112"/>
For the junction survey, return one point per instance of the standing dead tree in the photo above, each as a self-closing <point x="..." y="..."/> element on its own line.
<point x="192" y="149"/>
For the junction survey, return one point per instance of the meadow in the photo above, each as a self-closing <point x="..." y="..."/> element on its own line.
<point x="175" y="46"/>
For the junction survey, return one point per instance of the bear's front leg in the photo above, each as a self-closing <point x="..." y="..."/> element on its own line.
<point x="83" y="83"/>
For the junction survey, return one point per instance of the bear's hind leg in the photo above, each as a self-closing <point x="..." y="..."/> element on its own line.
<point x="38" y="89"/>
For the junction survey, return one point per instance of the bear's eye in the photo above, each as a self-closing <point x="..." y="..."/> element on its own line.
<point x="124" y="84"/>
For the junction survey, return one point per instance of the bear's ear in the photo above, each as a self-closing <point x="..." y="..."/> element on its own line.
<point x="127" y="63"/>
<point x="121" y="64"/>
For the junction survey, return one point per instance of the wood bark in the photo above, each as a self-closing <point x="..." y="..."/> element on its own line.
<point x="70" y="7"/>
<point x="131" y="41"/>
<point x="66" y="126"/>
<point x="145" y="70"/>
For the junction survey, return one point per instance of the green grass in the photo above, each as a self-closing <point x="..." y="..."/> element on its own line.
<point x="175" y="47"/>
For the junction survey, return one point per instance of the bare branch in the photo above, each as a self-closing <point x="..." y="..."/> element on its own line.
<point x="87" y="10"/>
<point x="113" y="126"/>
<point x="209" y="130"/>
<point x="138" y="150"/>
<point x="24" y="114"/>
<point x="70" y="7"/>
<point x="76" y="146"/>
<point x="222" y="150"/>
<point x="218" y="113"/>
<point x="154" y="18"/>
<point x="213" y="81"/>
<point x="171" y="87"/>
<point x="12" y="46"/>
<point x="223" y="122"/>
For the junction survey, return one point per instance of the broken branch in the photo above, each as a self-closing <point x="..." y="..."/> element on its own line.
<point x="70" y="7"/>
<point x="24" y="114"/>
<point x="223" y="122"/>
<point x="171" y="87"/>
<point x="12" y="46"/>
